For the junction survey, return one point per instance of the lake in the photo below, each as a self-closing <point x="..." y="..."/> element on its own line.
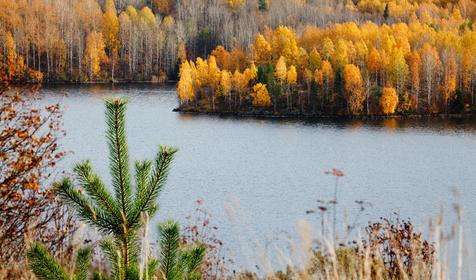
<point x="271" y="171"/>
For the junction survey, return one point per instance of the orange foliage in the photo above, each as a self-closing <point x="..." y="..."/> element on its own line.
<point x="353" y="87"/>
<point x="28" y="152"/>
<point x="388" y="100"/>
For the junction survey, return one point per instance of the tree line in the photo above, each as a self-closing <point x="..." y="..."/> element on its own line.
<point x="344" y="69"/>
<point x="84" y="41"/>
<point x="101" y="40"/>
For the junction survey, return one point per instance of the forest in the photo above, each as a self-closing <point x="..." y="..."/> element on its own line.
<point x="138" y="40"/>
<point x="340" y="69"/>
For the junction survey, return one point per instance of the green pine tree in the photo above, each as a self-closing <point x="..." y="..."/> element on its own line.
<point x="118" y="215"/>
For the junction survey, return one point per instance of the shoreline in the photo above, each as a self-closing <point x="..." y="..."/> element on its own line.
<point x="270" y="115"/>
<point x="120" y="82"/>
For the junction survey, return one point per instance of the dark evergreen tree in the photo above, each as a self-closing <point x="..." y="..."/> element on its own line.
<point x="266" y="76"/>
<point x="263" y="5"/>
<point x="457" y="102"/>
<point x="386" y="12"/>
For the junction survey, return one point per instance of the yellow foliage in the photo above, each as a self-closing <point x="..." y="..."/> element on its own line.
<point x="239" y="82"/>
<point x="185" y="85"/>
<point x="308" y="76"/>
<point x="353" y="88"/>
<point x="327" y="71"/>
<point x="292" y="76"/>
<point x="109" y="6"/>
<point x="111" y="30"/>
<point x="10" y="49"/>
<point x="21" y="67"/>
<point x="251" y="72"/>
<point x="315" y="60"/>
<point x="225" y="83"/>
<point x="94" y="53"/>
<point x="261" y="50"/>
<point x="448" y="88"/>
<point x="327" y="48"/>
<point x="202" y="72"/>
<point x="415" y="64"/>
<point x="132" y="13"/>
<point x="147" y="17"/>
<point x="371" y="6"/>
<point x="168" y="22"/>
<point x="311" y="37"/>
<point x="260" y="96"/>
<point x="467" y="70"/>
<point x="284" y="43"/>
<point x="374" y="61"/>
<point x="236" y="4"/>
<point x="388" y="100"/>
<point x="319" y="77"/>
<point x="302" y="59"/>
<point x="362" y="52"/>
<point x="398" y="69"/>
<point x="388" y="43"/>
<point x="281" y="70"/>
<point x="213" y="72"/>
<point x="340" y="57"/>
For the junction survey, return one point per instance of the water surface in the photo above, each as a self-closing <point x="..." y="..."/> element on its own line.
<point x="272" y="171"/>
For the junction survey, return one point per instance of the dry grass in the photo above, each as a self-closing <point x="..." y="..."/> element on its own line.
<point x="390" y="248"/>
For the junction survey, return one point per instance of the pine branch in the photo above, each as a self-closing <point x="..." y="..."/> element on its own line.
<point x="118" y="153"/>
<point x="84" y="207"/>
<point x="194" y="257"/>
<point x="43" y="265"/>
<point x="146" y="201"/>
<point x="113" y="254"/>
<point x="82" y="264"/>
<point x="169" y="245"/>
<point x="95" y="188"/>
<point x="132" y="273"/>
<point x="143" y="170"/>
<point x="134" y="247"/>
<point x="119" y="164"/>
<point x="152" y="267"/>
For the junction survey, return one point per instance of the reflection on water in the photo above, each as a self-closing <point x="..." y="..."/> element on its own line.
<point x="275" y="168"/>
<point x="390" y="124"/>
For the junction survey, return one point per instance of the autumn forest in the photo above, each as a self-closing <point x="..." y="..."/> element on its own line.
<point x="304" y="57"/>
<point x="351" y="68"/>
